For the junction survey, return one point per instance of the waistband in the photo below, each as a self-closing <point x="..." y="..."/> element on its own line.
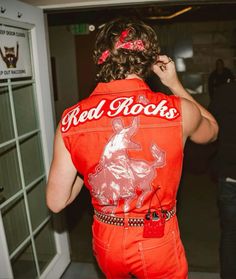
<point x="132" y="221"/>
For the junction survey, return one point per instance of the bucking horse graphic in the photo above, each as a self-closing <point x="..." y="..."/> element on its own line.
<point x="117" y="176"/>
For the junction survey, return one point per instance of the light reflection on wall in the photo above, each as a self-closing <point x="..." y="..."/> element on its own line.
<point x="180" y="64"/>
<point x="182" y="49"/>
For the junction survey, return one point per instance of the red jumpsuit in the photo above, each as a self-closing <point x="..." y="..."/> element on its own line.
<point x="127" y="143"/>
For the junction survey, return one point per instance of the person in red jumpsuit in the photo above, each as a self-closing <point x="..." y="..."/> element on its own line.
<point x="127" y="143"/>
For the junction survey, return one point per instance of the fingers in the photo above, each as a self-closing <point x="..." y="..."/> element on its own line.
<point x="164" y="59"/>
<point x="165" y="70"/>
<point x="158" y="69"/>
<point x="162" y="63"/>
<point x="170" y="60"/>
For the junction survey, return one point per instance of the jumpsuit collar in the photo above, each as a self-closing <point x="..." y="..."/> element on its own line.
<point x="122" y="85"/>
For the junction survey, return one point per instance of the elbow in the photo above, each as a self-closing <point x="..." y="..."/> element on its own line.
<point x="53" y="204"/>
<point x="54" y="208"/>
<point x="215" y="132"/>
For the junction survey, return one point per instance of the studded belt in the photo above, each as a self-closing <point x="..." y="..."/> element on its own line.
<point x="132" y="221"/>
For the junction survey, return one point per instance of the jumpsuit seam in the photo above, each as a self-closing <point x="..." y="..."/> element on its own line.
<point x="125" y="229"/>
<point x="121" y="91"/>
<point x="175" y="246"/>
<point x="104" y="247"/>
<point x="165" y="125"/>
<point x="143" y="261"/>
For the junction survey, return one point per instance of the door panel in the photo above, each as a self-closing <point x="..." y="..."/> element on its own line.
<point x="45" y="246"/>
<point x="23" y="98"/>
<point x="15" y="223"/>
<point x="6" y="131"/>
<point x="37" y="204"/>
<point x="9" y="172"/>
<point x="32" y="248"/>
<point x="32" y="161"/>
<point x="24" y="258"/>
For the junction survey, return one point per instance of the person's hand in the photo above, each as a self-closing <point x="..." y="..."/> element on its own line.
<point x="165" y="70"/>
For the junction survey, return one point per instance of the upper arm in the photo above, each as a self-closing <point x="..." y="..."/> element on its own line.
<point x="199" y="128"/>
<point x="61" y="176"/>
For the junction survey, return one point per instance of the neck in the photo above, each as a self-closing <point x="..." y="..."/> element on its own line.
<point x="133" y="76"/>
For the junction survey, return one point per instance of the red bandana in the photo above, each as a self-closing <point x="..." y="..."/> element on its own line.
<point x="136" y="45"/>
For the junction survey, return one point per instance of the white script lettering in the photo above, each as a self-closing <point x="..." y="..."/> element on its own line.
<point x="123" y="106"/>
<point x="74" y="117"/>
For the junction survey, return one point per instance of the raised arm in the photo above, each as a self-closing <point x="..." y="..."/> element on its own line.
<point x="198" y="123"/>
<point x="63" y="183"/>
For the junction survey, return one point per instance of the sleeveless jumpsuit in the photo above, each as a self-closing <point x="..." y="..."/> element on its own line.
<point x="126" y="141"/>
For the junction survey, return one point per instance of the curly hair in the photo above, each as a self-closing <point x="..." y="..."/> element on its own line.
<point x="122" y="62"/>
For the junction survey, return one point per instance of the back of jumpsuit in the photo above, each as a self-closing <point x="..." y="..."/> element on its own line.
<point x="126" y="141"/>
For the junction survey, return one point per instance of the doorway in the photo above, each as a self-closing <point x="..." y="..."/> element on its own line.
<point x="197" y="190"/>
<point x="198" y="30"/>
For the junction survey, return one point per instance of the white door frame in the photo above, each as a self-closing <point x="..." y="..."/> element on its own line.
<point x="44" y="4"/>
<point x="99" y="3"/>
<point x="34" y="16"/>
<point x="23" y="15"/>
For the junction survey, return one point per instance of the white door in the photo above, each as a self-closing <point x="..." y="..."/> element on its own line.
<point x="30" y="245"/>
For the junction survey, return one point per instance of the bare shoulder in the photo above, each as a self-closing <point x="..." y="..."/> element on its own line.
<point x="58" y="141"/>
<point x="60" y="152"/>
<point x="58" y="135"/>
<point x="198" y="127"/>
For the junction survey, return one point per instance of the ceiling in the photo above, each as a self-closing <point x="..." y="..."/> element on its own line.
<point x="57" y="4"/>
<point x="151" y="13"/>
<point x="61" y="12"/>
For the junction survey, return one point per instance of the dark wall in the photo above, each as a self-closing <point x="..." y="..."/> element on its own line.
<point x="86" y="69"/>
